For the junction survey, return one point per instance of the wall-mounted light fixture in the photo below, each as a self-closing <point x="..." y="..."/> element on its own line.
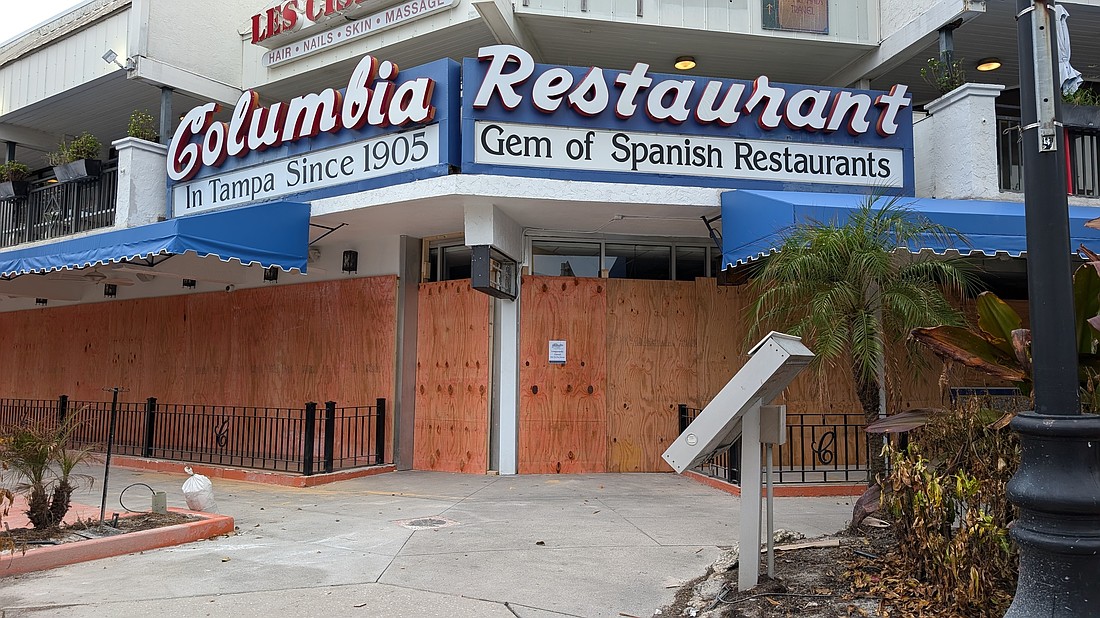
<point x="40" y="301"/>
<point x="112" y="57"/>
<point x="271" y="274"/>
<point x="110" y="290"/>
<point x="350" y="263"/>
<point x="189" y="284"/>
<point x="989" y="64"/>
<point x="685" y="63"/>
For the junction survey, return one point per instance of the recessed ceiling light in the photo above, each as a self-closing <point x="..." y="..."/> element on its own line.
<point x="685" y="63"/>
<point x="989" y="64"/>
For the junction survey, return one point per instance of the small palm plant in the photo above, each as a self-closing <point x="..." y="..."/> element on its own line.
<point x="851" y="288"/>
<point x="42" y="458"/>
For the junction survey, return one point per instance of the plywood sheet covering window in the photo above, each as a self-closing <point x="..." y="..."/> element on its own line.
<point x="651" y="350"/>
<point x="563" y="415"/>
<point x="452" y="378"/>
<point x="273" y="346"/>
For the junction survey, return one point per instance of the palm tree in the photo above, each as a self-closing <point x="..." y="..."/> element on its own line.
<point x="848" y="291"/>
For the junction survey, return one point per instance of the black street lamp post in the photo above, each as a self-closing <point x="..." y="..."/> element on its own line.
<point x="1057" y="487"/>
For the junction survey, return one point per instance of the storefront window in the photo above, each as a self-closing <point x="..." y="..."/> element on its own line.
<point x="565" y="259"/>
<point x="456" y="262"/>
<point x="691" y="262"/>
<point x="638" y="261"/>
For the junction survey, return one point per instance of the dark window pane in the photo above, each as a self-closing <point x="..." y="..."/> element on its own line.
<point x="566" y="259"/>
<point x="691" y="262"/>
<point x="638" y="261"/>
<point x="433" y="264"/>
<point x="456" y="262"/>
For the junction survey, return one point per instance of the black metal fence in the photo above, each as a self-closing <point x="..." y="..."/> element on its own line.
<point x="59" y="209"/>
<point x="1083" y="158"/>
<point x="304" y="440"/>
<point x="820" y="448"/>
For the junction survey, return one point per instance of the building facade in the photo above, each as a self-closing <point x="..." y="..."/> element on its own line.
<point x="501" y="218"/>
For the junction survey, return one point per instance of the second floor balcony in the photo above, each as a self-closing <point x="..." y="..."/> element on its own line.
<point x="52" y="209"/>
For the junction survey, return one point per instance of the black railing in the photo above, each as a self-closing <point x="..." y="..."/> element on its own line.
<point x="820" y="448"/>
<point x="1082" y="153"/>
<point x="304" y="440"/>
<point x="59" y="209"/>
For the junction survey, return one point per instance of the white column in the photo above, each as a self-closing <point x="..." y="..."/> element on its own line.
<point x="486" y="224"/>
<point x="958" y="157"/>
<point x="142" y="178"/>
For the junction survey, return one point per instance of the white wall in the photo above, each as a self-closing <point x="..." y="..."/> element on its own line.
<point x="197" y="37"/>
<point x="853" y="21"/>
<point x="63" y="64"/>
<point x="893" y="14"/>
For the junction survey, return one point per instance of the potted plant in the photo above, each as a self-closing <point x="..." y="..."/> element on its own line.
<point x="944" y="75"/>
<point x="142" y="126"/>
<point x="77" y="160"/>
<point x="1081" y="109"/>
<point x="13" y="180"/>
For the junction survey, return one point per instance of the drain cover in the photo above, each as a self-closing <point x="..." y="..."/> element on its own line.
<point x="426" y="523"/>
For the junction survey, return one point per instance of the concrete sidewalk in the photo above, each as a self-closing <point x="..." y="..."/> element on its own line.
<point x="530" y="546"/>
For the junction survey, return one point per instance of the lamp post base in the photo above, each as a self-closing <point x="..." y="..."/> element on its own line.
<point x="1057" y="489"/>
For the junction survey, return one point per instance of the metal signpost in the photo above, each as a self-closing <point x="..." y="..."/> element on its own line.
<point x="739" y="410"/>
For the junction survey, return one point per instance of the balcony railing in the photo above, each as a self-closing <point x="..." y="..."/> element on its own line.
<point x="60" y="209"/>
<point x="1082" y="148"/>
<point x="820" y="448"/>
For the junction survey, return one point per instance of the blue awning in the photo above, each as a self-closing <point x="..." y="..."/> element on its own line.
<point x="754" y="222"/>
<point x="273" y="234"/>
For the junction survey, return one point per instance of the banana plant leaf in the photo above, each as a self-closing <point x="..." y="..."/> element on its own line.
<point x="903" y="421"/>
<point x="1086" y="305"/>
<point x="998" y="320"/>
<point x="962" y="346"/>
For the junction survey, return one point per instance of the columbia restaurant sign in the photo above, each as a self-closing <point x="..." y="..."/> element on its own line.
<point x="634" y="126"/>
<point x="389" y="126"/>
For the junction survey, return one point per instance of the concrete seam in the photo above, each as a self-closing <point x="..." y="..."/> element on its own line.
<point x="627" y="520"/>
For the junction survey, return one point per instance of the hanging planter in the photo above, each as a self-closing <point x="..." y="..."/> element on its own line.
<point x="13" y="183"/>
<point x="77" y="160"/>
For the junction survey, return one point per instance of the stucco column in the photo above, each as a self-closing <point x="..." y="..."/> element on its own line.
<point x="961" y="159"/>
<point x="142" y="178"/>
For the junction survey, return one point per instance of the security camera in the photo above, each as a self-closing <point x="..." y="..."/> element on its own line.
<point x="230" y="287"/>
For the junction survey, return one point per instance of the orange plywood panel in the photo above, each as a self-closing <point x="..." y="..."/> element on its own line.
<point x="563" y="416"/>
<point x="652" y="353"/>
<point x="452" y="378"/>
<point x="259" y="347"/>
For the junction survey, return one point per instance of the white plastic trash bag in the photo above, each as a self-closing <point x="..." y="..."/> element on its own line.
<point x="199" y="492"/>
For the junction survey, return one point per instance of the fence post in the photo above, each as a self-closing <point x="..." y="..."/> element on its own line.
<point x="62" y="408"/>
<point x="330" y="433"/>
<point x="683" y="409"/>
<point x="309" y="433"/>
<point x="380" y="432"/>
<point x="150" y="426"/>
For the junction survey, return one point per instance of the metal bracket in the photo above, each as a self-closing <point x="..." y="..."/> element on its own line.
<point x="323" y="227"/>
<point x="715" y="235"/>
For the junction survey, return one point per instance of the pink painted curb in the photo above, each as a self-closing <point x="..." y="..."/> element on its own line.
<point x="249" y="476"/>
<point x="53" y="556"/>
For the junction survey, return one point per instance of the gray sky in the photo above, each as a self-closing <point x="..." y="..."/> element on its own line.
<point x="22" y="16"/>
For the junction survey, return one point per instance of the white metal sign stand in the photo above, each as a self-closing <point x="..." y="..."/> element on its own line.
<point x="738" y="410"/>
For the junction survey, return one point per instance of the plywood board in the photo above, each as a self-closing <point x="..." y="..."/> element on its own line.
<point x="563" y="415"/>
<point x="452" y="378"/>
<point x="273" y="346"/>
<point x="652" y="366"/>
